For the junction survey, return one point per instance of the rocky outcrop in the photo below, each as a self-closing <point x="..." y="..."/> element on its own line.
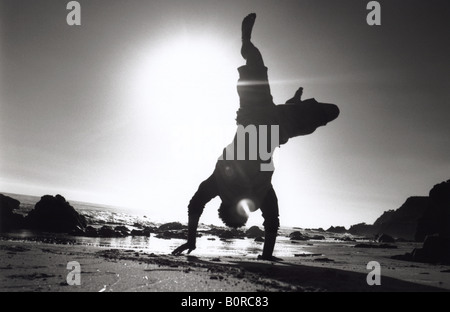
<point x="171" y="226"/>
<point x="146" y="231"/>
<point x="435" y="249"/>
<point x="8" y="219"/>
<point x="297" y="235"/>
<point x="231" y="234"/>
<point x="385" y="238"/>
<point x="379" y="246"/>
<point x="107" y="231"/>
<point x="254" y="232"/>
<point x="363" y="229"/>
<point x="337" y="229"/>
<point x="55" y="214"/>
<point x="401" y="223"/>
<point x="436" y="219"/>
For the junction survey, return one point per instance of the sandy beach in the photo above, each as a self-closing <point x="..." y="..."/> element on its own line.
<point x="28" y="266"/>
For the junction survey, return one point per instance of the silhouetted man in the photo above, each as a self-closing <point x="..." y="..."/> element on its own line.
<point x="244" y="184"/>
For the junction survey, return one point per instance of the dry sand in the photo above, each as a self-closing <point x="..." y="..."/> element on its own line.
<point x="35" y="266"/>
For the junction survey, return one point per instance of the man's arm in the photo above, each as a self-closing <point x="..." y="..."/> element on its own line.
<point x="192" y="236"/>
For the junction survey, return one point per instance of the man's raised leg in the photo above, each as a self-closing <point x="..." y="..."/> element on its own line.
<point x="249" y="52"/>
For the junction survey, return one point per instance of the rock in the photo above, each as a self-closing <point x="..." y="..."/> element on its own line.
<point x="259" y="239"/>
<point x="323" y="260"/>
<point x="346" y="239"/>
<point x="337" y="229"/>
<point x="362" y="229"/>
<point x="78" y="231"/>
<point x="91" y="231"/>
<point x="254" y="232"/>
<point x="380" y="246"/>
<point x="418" y="217"/>
<point x="317" y="237"/>
<point x="297" y="235"/>
<point x="171" y="226"/>
<point x="384" y="238"/>
<point x="148" y="230"/>
<point x="144" y="232"/>
<point x="224" y="233"/>
<point x="107" y="231"/>
<point x="8" y="204"/>
<point x="308" y="255"/>
<point x="436" y="219"/>
<point x="403" y="222"/>
<point x="228" y="234"/>
<point x="122" y="229"/>
<point x="436" y="249"/>
<point x="8" y="219"/>
<point x="173" y="234"/>
<point x="137" y="233"/>
<point x="54" y="214"/>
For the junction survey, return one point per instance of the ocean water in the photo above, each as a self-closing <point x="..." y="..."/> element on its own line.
<point x="207" y="245"/>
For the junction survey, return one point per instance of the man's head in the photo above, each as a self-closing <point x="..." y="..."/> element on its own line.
<point x="235" y="215"/>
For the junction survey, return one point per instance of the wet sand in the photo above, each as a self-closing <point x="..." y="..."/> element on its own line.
<point x="36" y="266"/>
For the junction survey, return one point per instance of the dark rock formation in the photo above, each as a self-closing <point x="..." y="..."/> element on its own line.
<point x="107" y="231"/>
<point x="403" y="221"/>
<point x="54" y="214"/>
<point x="122" y="229"/>
<point x="363" y="229"/>
<point x="436" y="219"/>
<point x="171" y="226"/>
<point x="337" y="229"/>
<point x="181" y="234"/>
<point x="436" y="249"/>
<point x="91" y="231"/>
<point x="8" y="219"/>
<point x="259" y="239"/>
<point x="254" y="232"/>
<point x="229" y="234"/>
<point x="381" y="246"/>
<point x="345" y="239"/>
<point x="297" y="235"/>
<point x="384" y="238"/>
<point x="78" y="231"/>
<point x="144" y="232"/>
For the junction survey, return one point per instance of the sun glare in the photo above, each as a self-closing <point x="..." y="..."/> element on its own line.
<point x="187" y="72"/>
<point x="189" y="81"/>
<point x="179" y="106"/>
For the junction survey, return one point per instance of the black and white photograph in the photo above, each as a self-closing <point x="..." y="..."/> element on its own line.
<point x="224" y="151"/>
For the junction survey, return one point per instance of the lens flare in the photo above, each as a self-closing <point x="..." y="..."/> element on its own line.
<point x="245" y="207"/>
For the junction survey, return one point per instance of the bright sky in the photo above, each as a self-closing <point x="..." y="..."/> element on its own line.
<point x="133" y="107"/>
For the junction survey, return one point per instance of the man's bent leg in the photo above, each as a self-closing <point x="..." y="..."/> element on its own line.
<point x="253" y="84"/>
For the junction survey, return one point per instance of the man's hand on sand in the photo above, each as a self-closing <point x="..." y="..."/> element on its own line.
<point x="187" y="246"/>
